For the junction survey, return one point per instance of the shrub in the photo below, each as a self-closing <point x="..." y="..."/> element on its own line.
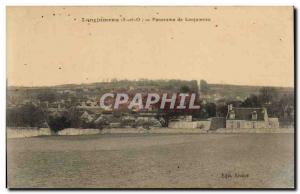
<point x="57" y="123"/>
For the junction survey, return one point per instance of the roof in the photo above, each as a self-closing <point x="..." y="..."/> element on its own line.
<point x="246" y="113"/>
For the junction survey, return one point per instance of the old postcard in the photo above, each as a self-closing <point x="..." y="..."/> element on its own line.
<point x="150" y="97"/>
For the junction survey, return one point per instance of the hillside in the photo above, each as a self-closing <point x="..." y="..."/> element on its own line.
<point x="233" y="91"/>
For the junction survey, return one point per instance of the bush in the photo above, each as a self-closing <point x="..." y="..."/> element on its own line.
<point x="58" y="123"/>
<point x="25" y="116"/>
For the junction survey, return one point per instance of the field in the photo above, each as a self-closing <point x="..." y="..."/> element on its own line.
<point x="152" y="161"/>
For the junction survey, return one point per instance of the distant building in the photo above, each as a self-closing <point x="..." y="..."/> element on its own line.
<point x="249" y="118"/>
<point x="186" y="122"/>
<point x="87" y="117"/>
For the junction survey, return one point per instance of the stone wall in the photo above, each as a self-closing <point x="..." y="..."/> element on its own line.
<point x="217" y="122"/>
<point x="182" y="124"/>
<point x="273" y="122"/>
<point x="257" y="130"/>
<point x="242" y="124"/>
<point x="19" y="132"/>
<point x="123" y="130"/>
<point x="74" y="131"/>
<point x="190" y="125"/>
<point x="205" y="125"/>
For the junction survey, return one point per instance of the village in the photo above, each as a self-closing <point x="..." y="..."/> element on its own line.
<point x="81" y="107"/>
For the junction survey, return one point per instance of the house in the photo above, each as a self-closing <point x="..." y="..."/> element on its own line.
<point x="249" y="118"/>
<point x="87" y="117"/>
<point x="187" y="122"/>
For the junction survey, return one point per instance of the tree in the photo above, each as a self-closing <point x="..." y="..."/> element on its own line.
<point x="49" y="96"/>
<point x="194" y="86"/>
<point x="268" y="95"/>
<point x="283" y="108"/>
<point x="74" y="117"/>
<point x="204" y="87"/>
<point x="185" y="89"/>
<point x="211" y="109"/>
<point x="25" y="116"/>
<point x="58" y="123"/>
<point x="222" y="110"/>
<point x="206" y="111"/>
<point x="251" y="101"/>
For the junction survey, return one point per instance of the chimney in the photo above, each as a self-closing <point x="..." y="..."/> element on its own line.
<point x="229" y="107"/>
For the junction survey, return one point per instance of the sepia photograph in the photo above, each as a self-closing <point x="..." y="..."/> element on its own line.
<point x="150" y="97"/>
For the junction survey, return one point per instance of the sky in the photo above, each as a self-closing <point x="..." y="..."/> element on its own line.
<point x="238" y="45"/>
